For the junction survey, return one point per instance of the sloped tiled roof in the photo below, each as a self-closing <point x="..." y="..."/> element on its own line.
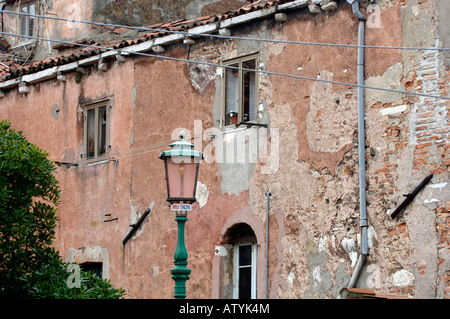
<point x="72" y="52"/>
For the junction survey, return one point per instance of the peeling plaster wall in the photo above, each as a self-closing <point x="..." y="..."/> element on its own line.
<point x="234" y="174"/>
<point x="48" y="28"/>
<point x="330" y="128"/>
<point x="135" y="12"/>
<point x="148" y="12"/>
<point x="443" y="28"/>
<point x="316" y="182"/>
<point x="416" y="132"/>
<point x="405" y="256"/>
<point x="408" y="139"/>
<point x="85" y="190"/>
<point x="314" y="233"/>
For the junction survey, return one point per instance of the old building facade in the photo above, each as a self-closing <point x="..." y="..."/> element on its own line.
<point x="295" y="132"/>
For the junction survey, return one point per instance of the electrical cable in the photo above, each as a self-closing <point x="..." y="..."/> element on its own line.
<point x="227" y="66"/>
<point x="223" y="36"/>
<point x="159" y="146"/>
<point x="141" y="150"/>
<point x="110" y="195"/>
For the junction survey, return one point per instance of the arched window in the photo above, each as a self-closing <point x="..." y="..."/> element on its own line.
<point x="240" y="267"/>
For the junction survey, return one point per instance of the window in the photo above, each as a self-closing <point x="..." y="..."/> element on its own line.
<point x="244" y="271"/>
<point x="27" y="22"/>
<point x="96" y="130"/>
<point x="94" y="267"/>
<point x="236" y="264"/>
<point x="240" y="90"/>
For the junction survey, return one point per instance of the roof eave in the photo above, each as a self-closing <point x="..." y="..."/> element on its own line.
<point x="146" y="46"/>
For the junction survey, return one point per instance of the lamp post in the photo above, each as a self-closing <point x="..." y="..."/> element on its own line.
<point x="181" y="164"/>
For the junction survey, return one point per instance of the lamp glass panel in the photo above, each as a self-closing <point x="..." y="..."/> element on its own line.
<point x="181" y="174"/>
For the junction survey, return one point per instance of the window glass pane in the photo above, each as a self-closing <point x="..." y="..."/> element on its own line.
<point x="31" y="10"/>
<point x="90" y="143"/>
<point x="248" y="90"/>
<point x="23" y="21"/>
<point x="101" y="130"/>
<point x="245" y="283"/>
<point x="245" y="255"/>
<point x="231" y="95"/>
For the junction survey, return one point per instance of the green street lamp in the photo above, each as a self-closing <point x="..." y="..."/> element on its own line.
<point x="181" y="165"/>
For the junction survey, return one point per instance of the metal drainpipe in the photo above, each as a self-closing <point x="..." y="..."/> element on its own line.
<point x="361" y="149"/>
<point x="269" y="193"/>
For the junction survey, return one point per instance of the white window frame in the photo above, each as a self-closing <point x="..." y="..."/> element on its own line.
<point x="236" y="268"/>
<point x="96" y="105"/>
<point x="240" y="95"/>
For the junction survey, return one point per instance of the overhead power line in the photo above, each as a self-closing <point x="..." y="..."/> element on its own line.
<point x="221" y="36"/>
<point x="160" y="145"/>
<point x="225" y="66"/>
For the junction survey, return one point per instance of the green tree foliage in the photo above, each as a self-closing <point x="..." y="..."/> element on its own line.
<point x="53" y="281"/>
<point x="29" y="195"/>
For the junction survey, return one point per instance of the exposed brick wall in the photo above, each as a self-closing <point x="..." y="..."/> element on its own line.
<point x="414" y="135"/>
<point x="430" y="132"/>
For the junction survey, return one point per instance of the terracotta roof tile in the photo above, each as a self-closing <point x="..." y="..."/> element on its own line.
<point x="78" y="53"/>
<point x="363" y="293"/>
